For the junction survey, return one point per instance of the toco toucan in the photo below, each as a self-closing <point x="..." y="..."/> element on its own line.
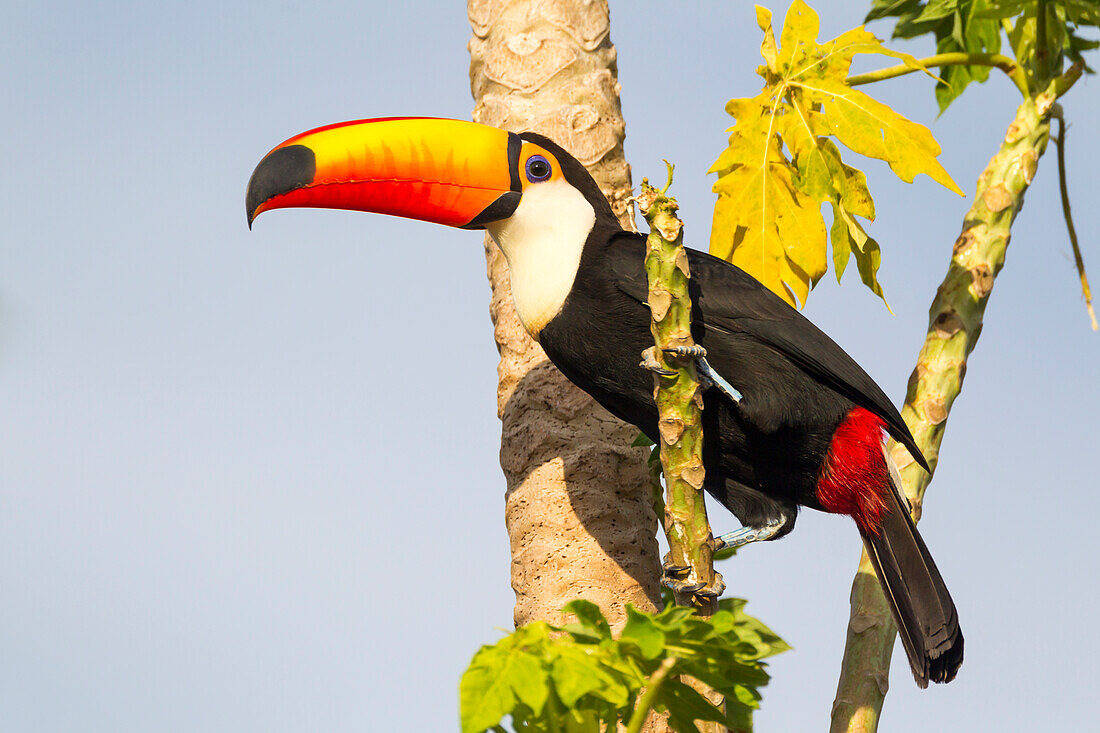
<point x="789" y="418"/>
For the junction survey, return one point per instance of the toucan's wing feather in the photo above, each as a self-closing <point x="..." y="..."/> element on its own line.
<point x="727" y="299"/>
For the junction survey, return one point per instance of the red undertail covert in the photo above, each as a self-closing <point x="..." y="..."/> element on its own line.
<point x="854" y="476"/>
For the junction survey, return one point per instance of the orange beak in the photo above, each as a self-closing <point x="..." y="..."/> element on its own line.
<point x="446" y="171"/>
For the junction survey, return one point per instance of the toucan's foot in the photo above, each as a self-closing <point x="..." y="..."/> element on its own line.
<point x="746" y="535"/>
<point x="649" y="361"/>
<point x="707" y="376"/>
<point x="674" y="577"/>
<point x="717" y="588"/>
<point x="695" y="351"/>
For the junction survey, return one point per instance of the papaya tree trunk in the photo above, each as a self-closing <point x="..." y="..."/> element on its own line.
<point x="955" y="322"/>
<point x="579" y="502"/>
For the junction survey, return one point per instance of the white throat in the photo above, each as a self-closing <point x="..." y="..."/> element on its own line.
<point x="543" y="241"/>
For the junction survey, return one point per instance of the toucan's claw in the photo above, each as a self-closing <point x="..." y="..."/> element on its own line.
<point x="715" y="589"/>
<point x="695" y="351"/>
<point x="674" y="577"/>
<point x="682" y="586"/>
<point x="649" y="361"/>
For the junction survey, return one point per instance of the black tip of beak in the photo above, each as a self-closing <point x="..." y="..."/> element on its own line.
<point x="282" y="171"/>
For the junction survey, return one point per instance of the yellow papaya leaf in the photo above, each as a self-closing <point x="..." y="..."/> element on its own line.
<point x="795" y="282"/>
<point x="768" y="48"/>
<point x="822" y="175"/>
<point x="781" y="163"/>
<point x="871" y="128"/>
<point x="838" y="237"/>
<point x="802" y="231"/>
<point x="867" y="261"/>
<point x="769" y="221"/>
<point x="848" y="238"/>
<point x="747" y="199"/>
<point x="800" y="25"/>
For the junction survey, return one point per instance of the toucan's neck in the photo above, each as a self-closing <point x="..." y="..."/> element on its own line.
<point x="543" y="241"/>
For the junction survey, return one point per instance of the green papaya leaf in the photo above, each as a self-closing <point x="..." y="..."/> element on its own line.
<point x="590" y="617"/>
<point x="641" y="630"/>
<point x="575" y="679"/>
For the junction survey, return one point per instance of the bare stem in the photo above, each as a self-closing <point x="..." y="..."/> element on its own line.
<point x="1004" y="63"/>
<point x="679" y="396"/>
<point x="1060" y="142"/>
<point x="1065" y="82"/>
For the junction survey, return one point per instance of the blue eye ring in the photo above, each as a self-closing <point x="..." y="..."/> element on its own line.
<point x="538" y="169"/>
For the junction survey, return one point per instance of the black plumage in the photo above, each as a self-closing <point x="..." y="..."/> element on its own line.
<point x="765" y="455"/>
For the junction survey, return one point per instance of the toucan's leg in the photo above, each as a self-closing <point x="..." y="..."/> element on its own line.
<point x="745" y="535"/>
<point x="674" y="577"/>
<point x="707" y="376"/>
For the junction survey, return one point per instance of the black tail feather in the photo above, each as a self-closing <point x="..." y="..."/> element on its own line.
<point x="923" y="610"/>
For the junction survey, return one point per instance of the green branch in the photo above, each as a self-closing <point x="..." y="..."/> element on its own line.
<point x="1004" y="63"/>
<point x="679" y="396"/>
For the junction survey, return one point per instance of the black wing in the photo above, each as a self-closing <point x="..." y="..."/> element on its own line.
<point x="729" y="300"/>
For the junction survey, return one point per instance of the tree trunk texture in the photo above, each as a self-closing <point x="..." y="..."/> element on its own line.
<point x="579" y="502"/>
<point x="955" y="322"/>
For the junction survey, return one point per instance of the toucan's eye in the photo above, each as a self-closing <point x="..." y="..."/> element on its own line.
<point x="538" y="169"/>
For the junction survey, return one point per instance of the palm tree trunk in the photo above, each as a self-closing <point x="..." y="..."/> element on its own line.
<point x="579" y="502"/>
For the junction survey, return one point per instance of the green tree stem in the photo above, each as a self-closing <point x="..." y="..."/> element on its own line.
<point x="679" y="397"/>
<point x="1004" y="63"/>
<point x="647" y="698"/>
<point x="955" y="322"/>
<point x="1063" y="83"/>
<point x="679" y="406"/>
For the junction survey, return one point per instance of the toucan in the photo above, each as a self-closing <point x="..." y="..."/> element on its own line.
<point x="789" y="420"/>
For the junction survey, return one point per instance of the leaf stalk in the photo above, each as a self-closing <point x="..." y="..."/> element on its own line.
<point x="995" y="60"/>
<point x="1042" y="52"/>
<point x="647" y="698"/>
<point x="1078" y="260"/>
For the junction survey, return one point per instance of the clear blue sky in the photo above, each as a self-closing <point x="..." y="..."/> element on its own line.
<point x="249" y="481"/>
